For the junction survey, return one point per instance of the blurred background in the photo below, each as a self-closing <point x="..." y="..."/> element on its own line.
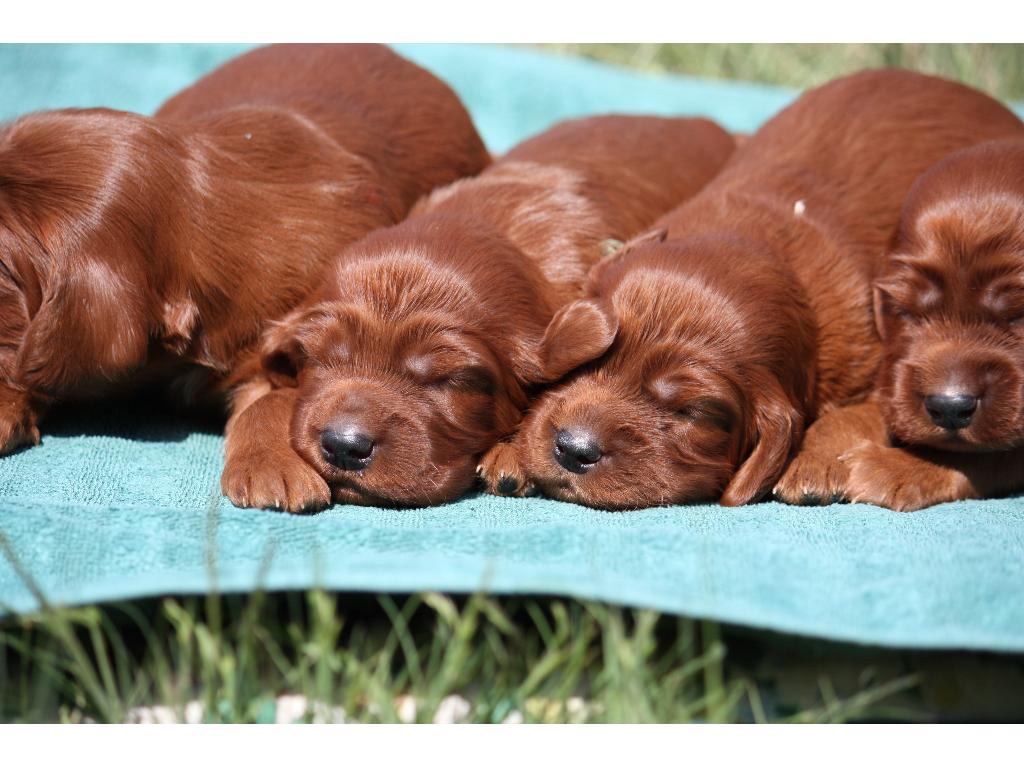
<point x="997" y="69"/>
<point x="514" y="91"/>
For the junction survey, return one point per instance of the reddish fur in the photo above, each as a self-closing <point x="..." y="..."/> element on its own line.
<point x="426" y="333"/>
<point x="951" y="300"/>
<point x="751" y="318"/>
<point x="949" y="306"/>
<point x="126" y="240"/>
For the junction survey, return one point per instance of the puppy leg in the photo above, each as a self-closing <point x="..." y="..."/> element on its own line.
<point x="261" y="469"/>
<point x="18" y="420"/>
<point x="817" y="475"/>
<point x="846" y="454"/>
<point x="906" y="479"/>
<point x="502" y="470"/>
<point x="901" y="479"/>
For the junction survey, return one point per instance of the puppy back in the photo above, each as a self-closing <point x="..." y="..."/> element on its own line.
<point x="634" y="167"/>
<point x="367" y="98"/>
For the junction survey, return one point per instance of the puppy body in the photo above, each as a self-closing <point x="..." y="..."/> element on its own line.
<point x="755" y="314"/>
<point x="128" y="241"/>
<point x="417" y="353"/>
<point x="948" y="303"/>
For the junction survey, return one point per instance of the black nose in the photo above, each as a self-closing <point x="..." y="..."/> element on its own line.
<point x="951" y="411"/>
<point x="577" y="450"/>
<point x="346" y="448"/>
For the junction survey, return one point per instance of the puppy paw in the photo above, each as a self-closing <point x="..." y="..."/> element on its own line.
<point x="897" y="479"/>
<point x="813" y="478"/>
<point x="17" y="427"/>
<point x="502" y="472"/>
<point x="273" y="481"/>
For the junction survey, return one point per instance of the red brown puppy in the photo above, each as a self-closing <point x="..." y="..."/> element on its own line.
<point x="127" y="240"/>
<point x="417" y="353"/>
<point x="949" y="305"/>
<point x="703" y="356"/>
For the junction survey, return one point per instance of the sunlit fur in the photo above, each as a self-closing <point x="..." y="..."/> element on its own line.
<point x="127" y="241"/>
<point x="761" y="296"/>
<point x="951" y="300"/>
<point x="415" y="348"/>
<point x="669" y="402"/>
<point x="425" y="335"/>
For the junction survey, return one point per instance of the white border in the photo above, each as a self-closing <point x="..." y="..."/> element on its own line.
<point x="513" y="746"/>
<point x="513" y="21"/>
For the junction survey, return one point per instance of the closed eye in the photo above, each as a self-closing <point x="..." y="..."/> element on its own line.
<point x="466" y="378"/>
<point x="913" y="291"/>
<point x="904" y="314"/>
<point x="1005" y="303"/>
<point x="707" y="411"/>
<point x="473" y="378"/>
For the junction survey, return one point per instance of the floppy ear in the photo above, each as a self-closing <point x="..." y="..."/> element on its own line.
<point x="777" y="427"/>
<point x="285" y="349"/>
<point x="880" y="308"/>
<point x="578" y="333"/>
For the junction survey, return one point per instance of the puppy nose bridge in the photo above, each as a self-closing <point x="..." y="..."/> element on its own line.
<point x="353" y="396"/>
<point x="590" y="407"/>
<point x="610" y="417"/>
<point x="968" y="352"/>
<point x="359" y="400"/>
<point x="979" y="369"/>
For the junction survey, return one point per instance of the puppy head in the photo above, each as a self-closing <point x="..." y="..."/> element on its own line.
<point x="698" y="393"/>
<point x="950" y="306"/>
<point x="405" y="381"/>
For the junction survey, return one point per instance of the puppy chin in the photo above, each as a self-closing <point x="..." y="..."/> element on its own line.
<point x="555" y="483"/>
<point x="609" y="486"/>
<point x="350" y="494"/>
<point x="418" y="487"/>
<point x="615" y="494"/>
<point x="587" y="498"/>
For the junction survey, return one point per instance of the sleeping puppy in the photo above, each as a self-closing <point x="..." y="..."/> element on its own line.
<point x="948" y="305"/>
<point x="700" y="358"/>
<point x="137" y="248"/>
<point x="419" y="351"/>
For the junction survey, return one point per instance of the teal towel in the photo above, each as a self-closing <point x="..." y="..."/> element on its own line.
<point x="118" y="503"/>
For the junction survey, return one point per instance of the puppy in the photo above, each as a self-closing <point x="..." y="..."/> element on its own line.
<point x="128" y="241"/>
<point x="700" y="358"/>
<point x="419" y="351"/>
<point x="948" y="306"/>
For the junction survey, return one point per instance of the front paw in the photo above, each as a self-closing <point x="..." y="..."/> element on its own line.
<point x="274" y="481"/>
<point x="897" y="479"/>
<point x="17" y="427"/>
<point x="502" y="472"/>
<point x="813" y="478"/>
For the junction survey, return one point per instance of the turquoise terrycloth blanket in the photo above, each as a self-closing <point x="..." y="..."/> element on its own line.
<point x="118" y="503"/>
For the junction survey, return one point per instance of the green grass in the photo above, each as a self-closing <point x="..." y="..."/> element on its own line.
<point x="997" y="69"/>
<point x="510" y="658"/>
